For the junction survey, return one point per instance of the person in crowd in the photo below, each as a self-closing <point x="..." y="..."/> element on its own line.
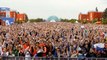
<point x="59" y="39"/>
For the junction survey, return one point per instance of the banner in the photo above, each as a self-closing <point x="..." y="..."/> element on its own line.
<point x="8" y="21"/>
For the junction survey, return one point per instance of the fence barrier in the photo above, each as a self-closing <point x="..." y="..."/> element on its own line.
<point x="45" y="58"/>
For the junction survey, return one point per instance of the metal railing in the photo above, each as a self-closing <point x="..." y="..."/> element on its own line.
<point x="45" y="58"/>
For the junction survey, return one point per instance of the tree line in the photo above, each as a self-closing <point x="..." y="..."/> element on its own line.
<point x="104" y="19"/>
<point x="61" y="20"/>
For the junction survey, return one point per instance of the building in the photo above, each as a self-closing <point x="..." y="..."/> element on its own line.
<point x="2" y="14"/>
<point x="95" y="15"/>
<point x="90" y="16"/>
<point x="4" y="9"/>
<point x="83" y="16"/>
<point x="21" y="17"/>
<point x="7" y="13"/>
<point x="53" y="19"/>
<point x="2" y="22"/>
<point x="13" y="14"/>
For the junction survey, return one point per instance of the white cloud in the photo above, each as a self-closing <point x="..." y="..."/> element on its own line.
<point x="60" y="8"/>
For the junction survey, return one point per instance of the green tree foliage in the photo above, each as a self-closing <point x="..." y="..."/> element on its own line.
<point x="64" y="20"/>
<point x="104" y="20"/>
<point x="84" y="21"/>
<point x="36" y="20"/>
<point x="73" y="20"/>
<point x="105" y="14"/>
<point x="79" y="21"/>
<point x="69" y="20"/>
<point x="95" y="20"/>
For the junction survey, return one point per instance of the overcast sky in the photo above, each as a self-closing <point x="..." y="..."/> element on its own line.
<point x="61" y="8"/>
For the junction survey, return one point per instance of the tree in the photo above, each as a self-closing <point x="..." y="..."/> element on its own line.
<point x="36" y="20"/>
<point x="80" y="21"/>
<point x="85" y="21"/>
<point x="72" y="20"/>
<point x="104" y="20"/>
<point x="95" y="20"/>
<point x="64" y="20"/>
<point x="105" y="14"/>
<point x="96" y="9"/>
<point x="69" y="20"/>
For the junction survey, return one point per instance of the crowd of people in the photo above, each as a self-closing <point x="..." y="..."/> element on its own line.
<point x="58" y="39"/>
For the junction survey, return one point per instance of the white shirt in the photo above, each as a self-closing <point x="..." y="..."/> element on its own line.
<point x="5" y="53"/>
<point x="40" y="50"/>
<point x="1" y="50"/>
<point x="100" y="45"/>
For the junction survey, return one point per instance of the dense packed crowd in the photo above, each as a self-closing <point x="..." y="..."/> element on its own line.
<point x="59" y="39"/>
